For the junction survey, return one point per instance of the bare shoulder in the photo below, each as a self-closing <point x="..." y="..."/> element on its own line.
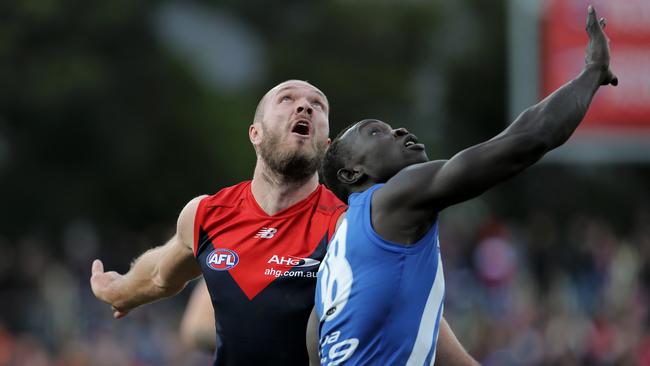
<point x="185" y="223"/>
<point x="408" y="184"/>
<point x="401" y="210"/>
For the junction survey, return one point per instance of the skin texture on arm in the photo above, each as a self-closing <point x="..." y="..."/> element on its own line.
<point x="471" y="172"/>
<point x="158" y="273"/>
<point x="449" y="351"/>
<point x="312" y="338"/>
<point x="197" y="326"/>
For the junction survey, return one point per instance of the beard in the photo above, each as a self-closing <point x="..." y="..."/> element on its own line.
<point x="293" y="165"/>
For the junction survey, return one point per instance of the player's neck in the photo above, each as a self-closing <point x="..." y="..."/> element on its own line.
<point x="365" y="184"/>
<point x="273" y="193"/>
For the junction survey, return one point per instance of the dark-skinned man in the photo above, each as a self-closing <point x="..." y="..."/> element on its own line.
<point x="380" y="290"/>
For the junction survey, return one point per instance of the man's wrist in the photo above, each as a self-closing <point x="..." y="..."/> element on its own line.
<point x="598" y="70"/>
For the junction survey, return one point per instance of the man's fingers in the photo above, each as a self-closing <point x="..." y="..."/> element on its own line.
<point x="98" y="267"/>
<point x="602" y="22"/>
<point x="119" y="314"/>
<point x="592" y="19"/>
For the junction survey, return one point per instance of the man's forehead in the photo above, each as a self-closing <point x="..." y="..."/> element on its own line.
<point x="294" y="84"/>
<point x="359" y="125"/>
<point x="348" y="132"/>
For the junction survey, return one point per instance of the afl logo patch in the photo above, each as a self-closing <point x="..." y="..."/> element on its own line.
<point x="222" y="259"/>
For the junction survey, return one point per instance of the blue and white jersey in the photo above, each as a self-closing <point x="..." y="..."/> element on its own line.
<point x="379" y="303"/>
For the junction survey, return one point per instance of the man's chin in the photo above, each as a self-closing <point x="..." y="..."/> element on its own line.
<point x="293" y="161"/>
<point x="295" y="167"/>
<point x="305" y="152"/>
<point x="299" y="170"/>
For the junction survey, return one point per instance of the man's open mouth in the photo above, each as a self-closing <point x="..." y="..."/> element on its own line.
<point x="410" y="140"/>
<point x="301" y="128"/>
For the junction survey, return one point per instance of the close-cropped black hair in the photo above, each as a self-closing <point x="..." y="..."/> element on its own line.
<point x="333" y="161"/>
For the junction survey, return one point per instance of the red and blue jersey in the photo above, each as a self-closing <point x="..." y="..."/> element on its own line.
<point x="261" y="272"/>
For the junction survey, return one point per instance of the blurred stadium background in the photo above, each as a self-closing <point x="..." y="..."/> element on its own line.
<point x="113" y="114"/>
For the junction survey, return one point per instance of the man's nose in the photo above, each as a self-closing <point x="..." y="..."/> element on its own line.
<point x="304" y="108"/>
<point x="400" y="131"/>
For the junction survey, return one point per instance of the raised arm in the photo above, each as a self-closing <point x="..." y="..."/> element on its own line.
<point x="536" y="131"/>
<point x="158" y="273"/>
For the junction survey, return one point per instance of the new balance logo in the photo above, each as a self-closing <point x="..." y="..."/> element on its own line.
<point x="266" y="233"/>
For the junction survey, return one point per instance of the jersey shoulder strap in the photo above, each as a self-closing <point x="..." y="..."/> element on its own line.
<point x="330" y="205"/>
<point x="226" y="197"/>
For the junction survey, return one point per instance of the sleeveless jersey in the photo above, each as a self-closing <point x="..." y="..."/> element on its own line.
<point x="261" y="272"/>
<point x="379" y="303"/>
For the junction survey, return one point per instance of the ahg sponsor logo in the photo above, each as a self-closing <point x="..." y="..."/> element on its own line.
<point x="280" y="273"/>
<point x="296" y="262"/>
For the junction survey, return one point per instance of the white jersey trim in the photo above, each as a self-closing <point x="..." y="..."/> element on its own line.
<point x="424" y="340"/>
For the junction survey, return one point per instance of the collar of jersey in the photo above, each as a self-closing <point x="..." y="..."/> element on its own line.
<point x="377" y="239"/>
<point x="292" y="210"/>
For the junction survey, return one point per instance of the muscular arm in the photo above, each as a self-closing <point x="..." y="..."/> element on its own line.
<point x="159" y="272"/>
<point x="536" y="131"/>
<point x="197" y="326"/>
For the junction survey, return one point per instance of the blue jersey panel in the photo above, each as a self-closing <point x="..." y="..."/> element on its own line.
<point x="379" y="303"/>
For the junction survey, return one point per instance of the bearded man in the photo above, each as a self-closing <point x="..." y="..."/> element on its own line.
<point x="258" y="244"/>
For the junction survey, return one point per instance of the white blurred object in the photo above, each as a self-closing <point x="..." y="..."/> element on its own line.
<point x="223" y="51"/>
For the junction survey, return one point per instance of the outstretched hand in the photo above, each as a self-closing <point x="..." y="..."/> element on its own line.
<point x="597" y="53"/>
<point x="105" y="286"/>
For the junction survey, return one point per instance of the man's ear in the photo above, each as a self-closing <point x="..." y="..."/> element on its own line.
<point x="349" y="176"/>
<point x="254" y="134"/>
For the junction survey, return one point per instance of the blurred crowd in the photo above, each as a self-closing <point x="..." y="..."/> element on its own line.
<point x="536" y="291"/>
<point x="49" y="316"/>
<point x="545" y="292"/>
